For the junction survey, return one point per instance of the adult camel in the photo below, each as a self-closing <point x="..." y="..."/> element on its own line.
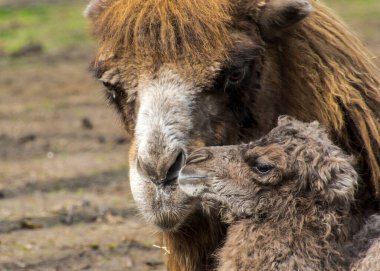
<point x="190" y="73"/>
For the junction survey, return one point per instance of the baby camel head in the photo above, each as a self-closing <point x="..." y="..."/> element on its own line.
<point x="294" y="165"/>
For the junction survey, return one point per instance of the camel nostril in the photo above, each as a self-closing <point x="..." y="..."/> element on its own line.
<point x="163" y="170"/>
<point x="173" y="171"/>
<point x="142" y="167"/>
<point x="198" y="156"/>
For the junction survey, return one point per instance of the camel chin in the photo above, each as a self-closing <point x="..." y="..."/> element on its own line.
<point x="167" y="207"/>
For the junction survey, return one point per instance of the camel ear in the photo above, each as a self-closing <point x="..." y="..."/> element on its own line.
<point x="278" y="15"/>
<point x="337" y="180"/>
<point x="95" y="8"/>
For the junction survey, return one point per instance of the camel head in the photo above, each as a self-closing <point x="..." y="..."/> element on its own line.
<point x="183" y="75"/>
<point x="294" y="165"/>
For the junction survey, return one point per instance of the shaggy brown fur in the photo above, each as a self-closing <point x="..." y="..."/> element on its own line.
<point x="314" y="69"/>
<point x="164" y="29"/>
<point x="287" y="196"/>
<point x="343" y="85"/>
<point x="364" y="249"/>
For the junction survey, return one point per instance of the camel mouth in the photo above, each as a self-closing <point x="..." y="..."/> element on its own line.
<point x="169" y="218"/>
<point x="191" y="180"/>
<point x="169" y="207"/>
<point x="192" y="185"/>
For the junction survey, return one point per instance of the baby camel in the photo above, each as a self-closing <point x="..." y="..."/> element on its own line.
<point x="288" y="197"/>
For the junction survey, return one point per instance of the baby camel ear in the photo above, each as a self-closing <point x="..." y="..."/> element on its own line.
<point x="339" y="179"/>
<point x="95" y="8"/>
<point x="277" y="15"/>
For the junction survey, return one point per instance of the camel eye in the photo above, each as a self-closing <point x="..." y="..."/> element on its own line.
<point x="236" y="76"/>
<point x="263" y="169"/>
<point x="112" y="90"/>
<point x="109" y="86"/>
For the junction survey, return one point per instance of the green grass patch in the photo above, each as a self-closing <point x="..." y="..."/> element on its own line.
<point x="363" y="16"/>
<point x="356" y="10"/>
<point x="54" y="26"/>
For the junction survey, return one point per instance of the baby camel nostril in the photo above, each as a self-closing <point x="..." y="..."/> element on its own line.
<point x="176" y="167"/>
<point x="198" y="156"/>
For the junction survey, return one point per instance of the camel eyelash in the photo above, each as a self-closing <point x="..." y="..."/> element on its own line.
<point x="112" y="91"/>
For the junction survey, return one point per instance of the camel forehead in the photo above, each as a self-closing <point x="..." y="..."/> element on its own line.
<point x="129" y="67"/>
<point x="272" y="151"/>
<point x="185" y="30"/>
<point x="193" y="38"/>
<point x="188" y="31"/>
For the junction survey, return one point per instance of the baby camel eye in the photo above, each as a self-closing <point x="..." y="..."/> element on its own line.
<point x="263" y="169"/>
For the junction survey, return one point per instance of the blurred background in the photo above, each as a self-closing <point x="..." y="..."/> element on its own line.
<point x="65" y="202"/>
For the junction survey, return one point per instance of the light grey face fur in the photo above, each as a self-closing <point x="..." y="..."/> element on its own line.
<point x="164" y="118"/>
<point x="163" y="127"/>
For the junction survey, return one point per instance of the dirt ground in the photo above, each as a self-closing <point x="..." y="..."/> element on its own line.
<point x="65" y="202"/>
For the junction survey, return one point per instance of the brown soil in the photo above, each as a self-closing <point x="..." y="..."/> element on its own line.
<point x="65" y="202"/>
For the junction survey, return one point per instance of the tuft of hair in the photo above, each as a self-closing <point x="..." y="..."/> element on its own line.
<point x="312" y="130"/>
<point x="164" y="29"/>
<point x="182" y="255"/>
